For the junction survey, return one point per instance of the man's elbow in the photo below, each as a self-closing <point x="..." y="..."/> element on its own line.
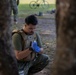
<point x="18" y="57"/>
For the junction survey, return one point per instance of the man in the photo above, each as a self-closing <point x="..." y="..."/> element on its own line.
<point x="15" y="9"/>
<point x="18" y="1"/>
<point x="30" y="58"/>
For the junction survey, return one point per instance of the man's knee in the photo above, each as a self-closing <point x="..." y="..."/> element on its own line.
<point x="45" y="59"/>
<point x="42" y="62"/>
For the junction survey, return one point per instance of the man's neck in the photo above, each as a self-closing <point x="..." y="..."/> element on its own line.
<point x="24" y="31"/>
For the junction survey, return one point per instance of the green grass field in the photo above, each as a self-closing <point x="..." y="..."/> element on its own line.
<point x="25" y="10"/>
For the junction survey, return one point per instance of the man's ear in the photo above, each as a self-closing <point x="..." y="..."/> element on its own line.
<point x="26" y="25"/>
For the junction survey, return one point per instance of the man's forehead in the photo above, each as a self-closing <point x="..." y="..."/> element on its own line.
<point x="31" y="25"/>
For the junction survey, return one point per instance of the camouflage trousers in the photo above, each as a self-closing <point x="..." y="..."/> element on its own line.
<point x="35" y="66"/>
<point x="15" y="13"/>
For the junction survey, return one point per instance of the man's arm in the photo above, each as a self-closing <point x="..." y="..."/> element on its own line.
<point x="39" y="43"/>
<point x="17" y="42"/>
<point x="22" y="54"/>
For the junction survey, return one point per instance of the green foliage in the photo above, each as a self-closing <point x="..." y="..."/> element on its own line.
<point x="25" y="10"/>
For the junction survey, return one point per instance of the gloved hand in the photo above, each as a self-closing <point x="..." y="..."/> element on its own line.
<point x="35" y="47"/>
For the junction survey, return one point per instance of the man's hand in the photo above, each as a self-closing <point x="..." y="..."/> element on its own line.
<point x="35" y="47"/>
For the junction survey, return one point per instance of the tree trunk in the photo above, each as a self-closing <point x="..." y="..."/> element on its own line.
<point x="65" y="57"/>
<point x="7" y="57"/>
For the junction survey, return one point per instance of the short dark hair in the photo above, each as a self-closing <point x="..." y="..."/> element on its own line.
<point x="31" y="20"/>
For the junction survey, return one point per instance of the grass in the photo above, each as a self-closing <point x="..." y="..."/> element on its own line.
<point x="25" y="10"/>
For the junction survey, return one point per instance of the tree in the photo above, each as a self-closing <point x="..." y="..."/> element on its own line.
<point x="65" y="57"/>
<point x="7" y="58"/>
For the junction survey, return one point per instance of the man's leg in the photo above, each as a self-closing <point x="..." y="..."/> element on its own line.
<point x="41" y="61"/>
<point x="24" y="67"/>
<point x="15" y="14"/>
<point x="15" y="9"/>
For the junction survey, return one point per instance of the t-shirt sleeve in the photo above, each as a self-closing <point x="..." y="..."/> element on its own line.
<point x="39" y="40"/>
<point x="16" y="39"/>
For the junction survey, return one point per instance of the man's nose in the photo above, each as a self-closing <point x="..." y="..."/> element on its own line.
<point x="32" y="29"/>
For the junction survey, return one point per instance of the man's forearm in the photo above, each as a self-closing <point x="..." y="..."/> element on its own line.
<point x="22" y="54"/>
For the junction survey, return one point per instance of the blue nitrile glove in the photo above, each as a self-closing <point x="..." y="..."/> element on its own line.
<point x="35" y="47"/>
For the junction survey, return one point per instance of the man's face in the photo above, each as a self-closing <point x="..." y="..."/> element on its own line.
<point x="30" y="28"/>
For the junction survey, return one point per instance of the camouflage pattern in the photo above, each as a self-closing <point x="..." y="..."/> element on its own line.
<point x="14" y="8"/>
<point x="39" y="63"/>
<point x="18" y="1"/>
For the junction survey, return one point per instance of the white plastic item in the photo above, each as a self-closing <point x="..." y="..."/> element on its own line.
<point x="21" y="72"/>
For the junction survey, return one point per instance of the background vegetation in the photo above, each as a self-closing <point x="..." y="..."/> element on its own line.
<point x="24" y="8"/>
